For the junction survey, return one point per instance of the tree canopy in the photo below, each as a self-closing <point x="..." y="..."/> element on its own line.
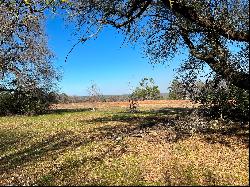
<point x="27" y="73"/>
<point x="215" y="33"/>
<point x="146" y="91"/>
<point x="177" y="90"/>
<point x="25" y="58"/>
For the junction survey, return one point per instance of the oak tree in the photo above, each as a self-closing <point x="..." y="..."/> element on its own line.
<point x="27" y="74"/>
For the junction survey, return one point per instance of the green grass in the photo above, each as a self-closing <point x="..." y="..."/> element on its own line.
<point x="114" y="147"/>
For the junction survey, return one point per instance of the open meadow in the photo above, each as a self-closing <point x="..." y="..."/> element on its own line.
<point x="164" y="143"/>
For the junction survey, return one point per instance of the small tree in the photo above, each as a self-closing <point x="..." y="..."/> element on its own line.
<point x="94" y="94"/>
<point x="177" y="90"/>
<point x="147" y="90"/>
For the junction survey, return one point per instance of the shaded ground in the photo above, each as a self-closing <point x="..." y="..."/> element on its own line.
<point x="110" y="146"/>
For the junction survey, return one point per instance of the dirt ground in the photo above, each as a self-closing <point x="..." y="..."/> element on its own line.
<point x="147" y="103"/>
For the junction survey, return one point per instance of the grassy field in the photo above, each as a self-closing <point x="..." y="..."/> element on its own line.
<point x="110" y="146"/>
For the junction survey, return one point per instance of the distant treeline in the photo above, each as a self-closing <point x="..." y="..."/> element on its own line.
<point x="64" y="98"/>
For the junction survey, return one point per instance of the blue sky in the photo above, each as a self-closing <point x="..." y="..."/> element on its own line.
<point x="114" y="67"/>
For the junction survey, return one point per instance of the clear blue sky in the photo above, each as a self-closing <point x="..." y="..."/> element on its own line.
<point x="104" y="61"/>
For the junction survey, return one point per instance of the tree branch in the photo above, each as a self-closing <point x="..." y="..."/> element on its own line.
<point x="221" y="67"/>
<point x="190" y="14"/>
<point x="129" y="15"/>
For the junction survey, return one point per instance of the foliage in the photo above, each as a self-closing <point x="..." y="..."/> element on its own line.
<point x="146" y="91"/>
<point x="22" y="101"/>
<point x="215" y="33"/>
<point x="224" y="100"/>
<point x="26" y="68"/>
<point x="177" y="90"/>
<point x="220" y="99"/>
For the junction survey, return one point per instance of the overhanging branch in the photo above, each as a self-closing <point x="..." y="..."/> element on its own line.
<point x="190" y="14"/>
<point x="142" y="5"/>
<point x="221" y="67"/>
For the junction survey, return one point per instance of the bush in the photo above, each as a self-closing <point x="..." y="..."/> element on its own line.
<point x="223" y="100"/>
<point x="35" y="101"/>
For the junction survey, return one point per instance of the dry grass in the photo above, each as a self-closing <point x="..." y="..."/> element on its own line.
<point x="125" y="104"/>
<point x="110" y="146"/>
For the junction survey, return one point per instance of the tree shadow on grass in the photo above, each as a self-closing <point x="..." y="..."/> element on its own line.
<point x="147" y="116"/>
<point x="174" y="120"/>
<point x="136" y="125"/>
<point x="62" y="111"/>
<point x="222" y="136"/>
<point x="11" y="139"/>
<point x="68" y="169"/>
<point x="170" y="111"/>
<point x="49" y="146"/>
<point x="162" y="111"/>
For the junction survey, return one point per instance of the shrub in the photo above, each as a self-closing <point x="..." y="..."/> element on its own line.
<point x="223" y="100"/>
<point x="35" y="101"/>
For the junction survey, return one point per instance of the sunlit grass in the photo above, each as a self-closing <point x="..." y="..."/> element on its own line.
<point x="114" y="147"/>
